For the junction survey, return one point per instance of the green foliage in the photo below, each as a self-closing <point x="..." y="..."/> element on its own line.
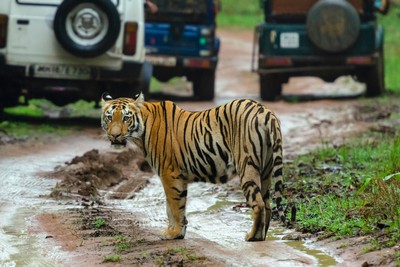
<point x="239" y="14"/>
<point x="36" y="108"/>
<point x="31" y="110"/>
<point x="120" y="247"/>
<point x="112" y="258"/>
<point x="24" y="130"/>
<point x="99" y="223"/>
<point x="350" y="190"/>
<point x="390" y="24"/>
<point x="332" y="214"/>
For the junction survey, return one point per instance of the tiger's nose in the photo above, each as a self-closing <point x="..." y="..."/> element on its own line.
<point x="115" y="133"/>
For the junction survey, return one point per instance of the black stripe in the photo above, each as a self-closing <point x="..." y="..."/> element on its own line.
<point x="183" y="194"/>
<point x="222" y="154"/>
<point x="212" y="165"/>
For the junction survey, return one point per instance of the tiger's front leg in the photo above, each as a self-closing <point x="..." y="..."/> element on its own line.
<point x="176" y="193"/>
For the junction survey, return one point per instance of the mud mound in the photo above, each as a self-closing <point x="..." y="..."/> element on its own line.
<point x="96" y="173"/>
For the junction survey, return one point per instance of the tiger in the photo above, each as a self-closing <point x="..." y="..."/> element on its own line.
<point x="242" y="137"/>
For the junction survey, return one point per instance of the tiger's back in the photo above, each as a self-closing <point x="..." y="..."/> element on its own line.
<point x="242" y="137"/>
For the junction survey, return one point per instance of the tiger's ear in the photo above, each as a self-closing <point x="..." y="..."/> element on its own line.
<point x="139" y="99"/>
<point x="106" y="96"/>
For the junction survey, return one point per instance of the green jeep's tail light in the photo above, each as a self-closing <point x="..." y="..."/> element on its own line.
<point x="130" y="38"/>
<point x="3" y="30"/>
<point x="277" y="61"/>
<point x="361" y="60"/>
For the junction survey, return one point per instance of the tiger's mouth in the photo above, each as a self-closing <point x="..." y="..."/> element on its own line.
<point x="117" y="143"/>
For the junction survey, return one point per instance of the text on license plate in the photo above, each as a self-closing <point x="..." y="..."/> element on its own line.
<point x="162" y="61"/>
<point x="289" y="40"/>
<point x="62" y="71"/>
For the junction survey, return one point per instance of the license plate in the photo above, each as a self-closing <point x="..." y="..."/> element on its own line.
<point x="162" y="61"/>
<point x="289" y="40"/>
<point x="62" y="71"/>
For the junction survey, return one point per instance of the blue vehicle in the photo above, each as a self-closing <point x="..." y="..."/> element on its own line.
<point x="180" y="40"/>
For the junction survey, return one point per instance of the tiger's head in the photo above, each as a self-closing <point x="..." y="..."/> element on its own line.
<point x="121" y="118"/>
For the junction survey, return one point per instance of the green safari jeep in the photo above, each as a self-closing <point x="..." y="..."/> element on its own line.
<point x="323" y="38"/>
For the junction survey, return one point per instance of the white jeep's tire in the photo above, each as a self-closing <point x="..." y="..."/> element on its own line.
<point x="87" y="28"/>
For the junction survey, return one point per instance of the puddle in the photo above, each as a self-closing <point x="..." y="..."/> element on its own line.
<point x="324" y="259"/>
<point x="22" y="248"/>
<point x="20" y="201"/>
<point x="212" y="217"/>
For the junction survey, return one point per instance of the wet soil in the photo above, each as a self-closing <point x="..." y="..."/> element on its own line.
<point x="92" y="205"/>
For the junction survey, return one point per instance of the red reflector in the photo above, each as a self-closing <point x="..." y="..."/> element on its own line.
<point x="359" y="60"/>
<point x="3" y="30"/>
<point x="278" y="61"/>
<point x="130" y="38"/>
<point x="152" y="41"/>
<point x="198" y="63"/>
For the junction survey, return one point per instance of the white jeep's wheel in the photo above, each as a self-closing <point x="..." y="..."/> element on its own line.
<point x="87" y="28"/>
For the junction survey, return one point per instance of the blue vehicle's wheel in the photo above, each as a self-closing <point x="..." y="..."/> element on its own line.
<point x="204" y="84"/>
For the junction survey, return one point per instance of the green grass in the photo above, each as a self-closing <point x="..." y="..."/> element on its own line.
<point x="36" y="107"/>
<point x="351" y="190"/>
<point x="390" y="24"/>
<point x="99" y="223"/>
<point x="239" y="14"/>
<point x="24" y="130"/>
<point x="112" y="258"/>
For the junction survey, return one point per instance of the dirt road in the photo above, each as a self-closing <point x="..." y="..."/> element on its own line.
<point x="47" y="217"/>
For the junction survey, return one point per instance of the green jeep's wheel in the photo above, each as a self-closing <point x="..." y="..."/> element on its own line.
<point x="333" y="25"/>
<point x="271" y="86"/>
<point x="373" y="76"/>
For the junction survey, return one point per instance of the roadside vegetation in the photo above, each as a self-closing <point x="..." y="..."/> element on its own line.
<point x="390" y="24"/>
<point x="350" y="190"/>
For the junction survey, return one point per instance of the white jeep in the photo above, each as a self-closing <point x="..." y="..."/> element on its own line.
<point x="72" y="49"/>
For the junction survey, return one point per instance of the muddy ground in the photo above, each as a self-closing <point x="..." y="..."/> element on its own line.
<point x="92" y="205"/>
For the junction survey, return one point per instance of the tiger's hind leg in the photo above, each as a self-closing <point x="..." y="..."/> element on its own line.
<point x="266" y="181"/>
<point x="251" y="189"/>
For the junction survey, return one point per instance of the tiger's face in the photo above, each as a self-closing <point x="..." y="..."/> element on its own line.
<point x="121" y="118"/>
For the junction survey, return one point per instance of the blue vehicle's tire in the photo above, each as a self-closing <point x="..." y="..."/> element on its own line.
<point x="332" y="25"/>
<point x="204" y="84"/>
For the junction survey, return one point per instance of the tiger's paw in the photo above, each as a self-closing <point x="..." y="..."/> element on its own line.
<point x="170" y="234"/>
<point x="258" y="235"/>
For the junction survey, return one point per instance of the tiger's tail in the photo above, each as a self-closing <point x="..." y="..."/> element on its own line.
<point x="277" y="165"/>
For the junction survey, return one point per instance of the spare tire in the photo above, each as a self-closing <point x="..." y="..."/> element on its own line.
<point x="87" y="28"/>
<point x="333" y="25"/>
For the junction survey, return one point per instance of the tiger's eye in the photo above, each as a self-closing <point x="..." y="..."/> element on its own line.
<point x="126" y="118"/>
<point x="109" y="117"/>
